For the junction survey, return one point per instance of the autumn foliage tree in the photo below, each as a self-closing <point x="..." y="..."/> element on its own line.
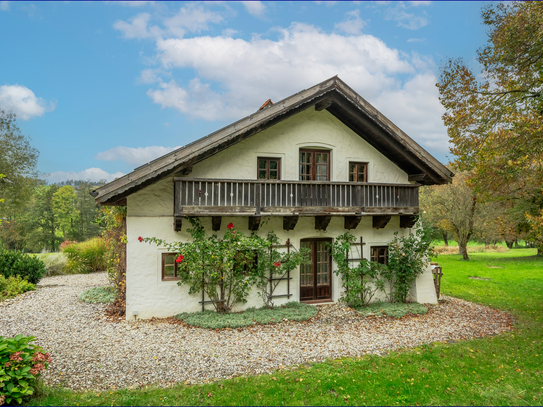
<point x="494" y="117"/>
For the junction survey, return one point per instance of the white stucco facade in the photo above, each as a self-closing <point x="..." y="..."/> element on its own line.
<point x="150" y="210"/>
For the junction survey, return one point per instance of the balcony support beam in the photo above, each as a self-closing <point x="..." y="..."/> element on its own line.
<point x="380" y="221"/>
<point x="216" y="223"/>
<point x="254" y="222"/>
<point x="289" y="222"/>
<point x="177" y="223"/>
<point x="408" y="221"/>
<point x="321" y="222"/>
<point x="351" y="222"/>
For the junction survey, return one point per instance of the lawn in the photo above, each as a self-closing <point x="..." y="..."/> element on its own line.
<point x="500" y="370"/>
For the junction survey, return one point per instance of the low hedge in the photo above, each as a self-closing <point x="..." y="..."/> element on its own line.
<point x="292" y="311"/>
<point x="395" y="310"/>
<point x="14" y="263"/>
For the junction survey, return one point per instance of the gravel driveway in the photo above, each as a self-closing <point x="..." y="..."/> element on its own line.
<point x="90" y="352"/>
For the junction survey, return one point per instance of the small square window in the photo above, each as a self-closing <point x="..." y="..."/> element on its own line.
<point x="169" y="267"/>
<point x="269" y="168"/>
<point x="358" y="172"/>
<point x="379" y="254"/>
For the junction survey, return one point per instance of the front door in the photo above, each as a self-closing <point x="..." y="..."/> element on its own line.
<point x="316" y="275"/>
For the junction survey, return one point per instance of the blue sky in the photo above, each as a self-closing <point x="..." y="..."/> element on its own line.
<point x="103" y="87"/>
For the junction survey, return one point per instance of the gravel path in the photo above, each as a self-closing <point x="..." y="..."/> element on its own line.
<point x="89" y="351"/>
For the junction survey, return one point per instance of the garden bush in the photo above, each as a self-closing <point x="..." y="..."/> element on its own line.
<point x="55" y="263"/>
<point x="14" y="285"/>
<point x="102" y="295"/>
<point x="395" y="310"/>
<point x="21" y="365"/>
<point x="86" y="257"/>
<point x="14" y="263"/>
<point x="293" y="311"/>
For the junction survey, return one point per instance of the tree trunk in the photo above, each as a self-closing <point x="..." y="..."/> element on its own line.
<point x="445" y="239"/>
<point x="516" y="243"/>
<point x="539" y="252"/>
<point x="509" y="244"/>
<point x="463" y="248"/>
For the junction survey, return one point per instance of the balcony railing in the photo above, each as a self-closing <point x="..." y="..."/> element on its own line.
<point x="213" y="197"/>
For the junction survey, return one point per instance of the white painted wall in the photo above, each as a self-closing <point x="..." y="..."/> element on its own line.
<point x="150" y="211"/>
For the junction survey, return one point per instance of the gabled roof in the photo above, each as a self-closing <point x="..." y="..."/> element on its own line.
<point x="333" y="95"/>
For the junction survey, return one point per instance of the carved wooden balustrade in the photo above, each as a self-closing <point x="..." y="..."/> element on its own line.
<point x="219" y="197"/>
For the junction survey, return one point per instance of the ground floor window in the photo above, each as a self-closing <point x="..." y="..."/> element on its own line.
<point x="169" y="267"/>
<point x="316" y="275"/>
<point x="379" y="254"/>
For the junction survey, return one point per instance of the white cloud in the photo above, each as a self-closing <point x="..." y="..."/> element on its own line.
<point x="137" y="27"/>
<point x="353" y="24"/>
<point x="23" y="102"/>
<point x="301" y="57"/>
<point x="134" y="3"/>
<point x="229" y="32"/>
<point x="328" y="3"/>
<point x="256" y="8"/>
<point x="416" y="109"/>
<point x="149" y="76"/>
<point x="90" y="174"/>
<point x="420" y="3"/>
<point x="191" y="18"/>
<point x="404" y="19"/>
<point x="4" y="5"/>
<point x="134" y="156"/>
<point x="416" y="40"/>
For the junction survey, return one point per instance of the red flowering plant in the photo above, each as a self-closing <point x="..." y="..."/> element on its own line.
<point x="226" y="268"/>
<point x="21" y="364"/>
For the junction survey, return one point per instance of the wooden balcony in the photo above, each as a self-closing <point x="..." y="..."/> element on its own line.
<point x="218" y="197"/>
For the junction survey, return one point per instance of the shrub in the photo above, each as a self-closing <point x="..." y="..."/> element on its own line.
<point x="14" y="285"/>
<point x="55" y="263"/>
<point x="102" y="295"/>
<point x="361" y="281"/>
<point x="86" y="257"/>
<point x="395" y="310"/>
<point x="20" y="367"/>
<point x="293" y="311"/>
<point x="14" y="263"/>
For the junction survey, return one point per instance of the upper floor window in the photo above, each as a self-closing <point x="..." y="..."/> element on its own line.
<point x="314" y="165"/>
<point x="358" y="172"/>
<point x="379" y="254"/>
<point x="269" y="168"/>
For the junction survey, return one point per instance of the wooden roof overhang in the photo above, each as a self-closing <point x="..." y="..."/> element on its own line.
<point x="333" y="95"/>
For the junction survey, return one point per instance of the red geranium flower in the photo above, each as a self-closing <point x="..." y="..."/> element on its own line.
<point x="277" y="264"/>
<point x="179" y="258"/>
<point x="230" y="225"/>
<point x="140" y="239"/>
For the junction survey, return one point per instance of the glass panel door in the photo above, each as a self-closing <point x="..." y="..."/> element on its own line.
<point x="314" y="165"/>
<point x="316" y="275"/>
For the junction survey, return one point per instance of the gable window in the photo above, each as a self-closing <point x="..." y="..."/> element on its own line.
<point x="314" y="165"/>
<point x="379" y="254"/>
<point x="169" y="267"/>
<point x="269" y="168"/>
<point x="358" y="172"/>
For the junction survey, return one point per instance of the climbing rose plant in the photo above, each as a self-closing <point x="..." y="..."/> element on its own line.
<point x="227" y="269"/>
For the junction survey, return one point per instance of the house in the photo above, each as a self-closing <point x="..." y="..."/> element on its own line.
<point x="315" y="164"/>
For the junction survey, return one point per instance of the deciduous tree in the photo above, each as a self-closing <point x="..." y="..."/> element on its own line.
<point x="494" y="117"/>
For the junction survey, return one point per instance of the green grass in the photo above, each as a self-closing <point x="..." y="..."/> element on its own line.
<point x="293" y="311"/>
<point x="395" y="310"/>
<point x="499" y="370"/>
<point x="99" y="295"/>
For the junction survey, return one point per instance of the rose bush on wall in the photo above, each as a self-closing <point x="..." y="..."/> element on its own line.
<point x="227" y="269"/>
